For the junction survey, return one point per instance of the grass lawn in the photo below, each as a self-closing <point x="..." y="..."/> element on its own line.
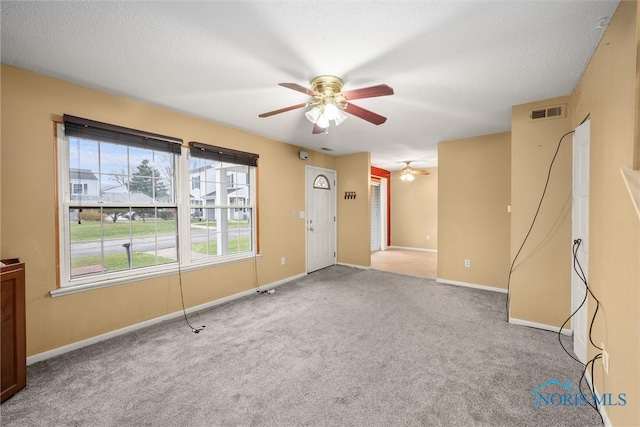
<point x="243" y="244"/>
<point x="213" y="223"/>
<point x="95" y="230"/>
<point x="116" y="262"/>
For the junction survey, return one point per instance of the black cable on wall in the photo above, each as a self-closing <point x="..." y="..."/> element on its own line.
<point x="535" y="217"/>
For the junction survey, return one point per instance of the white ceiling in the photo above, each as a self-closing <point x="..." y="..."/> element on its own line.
<point x="456" y="67"/>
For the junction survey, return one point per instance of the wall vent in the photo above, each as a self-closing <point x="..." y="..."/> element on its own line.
<point x="554" y="112"/>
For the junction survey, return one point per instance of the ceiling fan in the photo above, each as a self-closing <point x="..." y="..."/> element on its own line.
<point x="330" y="103"/>
<point x="408" y="172"/>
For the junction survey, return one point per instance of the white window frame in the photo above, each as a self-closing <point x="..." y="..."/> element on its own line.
<point x="185" y="209"/>
<point x="67" y="285"/>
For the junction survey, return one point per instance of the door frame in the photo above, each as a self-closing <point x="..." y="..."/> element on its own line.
<point x="382" y="183"/>
<point x="385" y="179"/>
<point x="580" y="165"/>
<point x="334" y="189"/>
<point x="375" y="183"/>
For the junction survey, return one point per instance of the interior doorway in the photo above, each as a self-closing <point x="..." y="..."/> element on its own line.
<point x="379" y="213"/>
<point x="376" y="238"/>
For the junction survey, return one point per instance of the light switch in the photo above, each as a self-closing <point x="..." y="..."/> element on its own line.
<point x="301" y="214"/>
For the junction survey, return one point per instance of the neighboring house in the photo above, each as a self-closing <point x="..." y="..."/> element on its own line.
<point x="120" y="194"/>
<point x="204" y="178"/>
<point x="85" y="188"/>
<point x="83" y="183"/>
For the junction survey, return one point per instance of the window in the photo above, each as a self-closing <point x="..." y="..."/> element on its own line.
<point x="321" y="182"/>
<point x="195" y="182"/>
<point x="222" y="208"/>
<point x="79" y="188"/>
<point x="121" y="215"/>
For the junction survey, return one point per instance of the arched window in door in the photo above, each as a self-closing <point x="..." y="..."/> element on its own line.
<point x="321" y="182"/>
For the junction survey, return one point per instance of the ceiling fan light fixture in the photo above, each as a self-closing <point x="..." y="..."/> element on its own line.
<point x="313" y="114"/>
<point x="331" y="112"/>
<point x="329" y="102"/>
<point x="322" y="121"/>
<point x="341" y="118"/>
<point x="407" y="177"/>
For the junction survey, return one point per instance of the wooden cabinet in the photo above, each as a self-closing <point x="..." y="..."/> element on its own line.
<point x="14" y="345"/>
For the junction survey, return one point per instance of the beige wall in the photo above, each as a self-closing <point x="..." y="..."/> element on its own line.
<point x="354" y="218"/>
<point x="540" y="281"/>
<point x="30" y="103"/>
<point x="473" y="223"/>
<point x="636" y="157"/>
<point x="414" y="211"/>
<point x="606" y="93"/>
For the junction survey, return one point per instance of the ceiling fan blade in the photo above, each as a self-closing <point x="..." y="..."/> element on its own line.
<point x="367" y="115"/>
<point x="420" y="172"/>
<point x="299" y="88"/>
<point x="317" y="129"/>
<point x="368" y="92"/>
<point x="283" y="110"/>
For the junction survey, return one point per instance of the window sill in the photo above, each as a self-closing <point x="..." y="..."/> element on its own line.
<point x="173" y="269"/>
<point x="632" y="180"/>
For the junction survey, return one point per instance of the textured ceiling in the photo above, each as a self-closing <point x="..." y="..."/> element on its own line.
<point x="456" y="67"/>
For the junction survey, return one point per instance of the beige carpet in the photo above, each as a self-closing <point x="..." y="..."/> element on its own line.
<point x="339" y="347"/>
<point x="403" y="261"/>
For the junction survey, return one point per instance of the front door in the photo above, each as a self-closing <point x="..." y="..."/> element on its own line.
<point x="321" y="218"/>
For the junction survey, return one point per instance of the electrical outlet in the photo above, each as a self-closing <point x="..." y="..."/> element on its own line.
<point x="467" y="263"/>
<point x="282" y="261"/>
<point x="428" y="237"/>
<point x="605" y="359"/>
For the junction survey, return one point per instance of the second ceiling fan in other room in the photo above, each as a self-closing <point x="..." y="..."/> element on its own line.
<point x="408" y="172"/>
<point x="330" y="103"/>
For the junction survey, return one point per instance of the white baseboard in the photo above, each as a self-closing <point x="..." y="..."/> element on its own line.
<point x="406" y="248"/>
<point x="536" y="325"/>
<point x="601" y="409"/>
<point x="471" y="285"/>
<point x="361" y="267"/>
<point x="276" y="283"/>
<point x="93" y="340"/>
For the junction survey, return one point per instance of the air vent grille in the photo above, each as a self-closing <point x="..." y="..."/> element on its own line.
<point x="548" y="113"/>
<point x="554" y="111"/>
<point x="538" y="114"/>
